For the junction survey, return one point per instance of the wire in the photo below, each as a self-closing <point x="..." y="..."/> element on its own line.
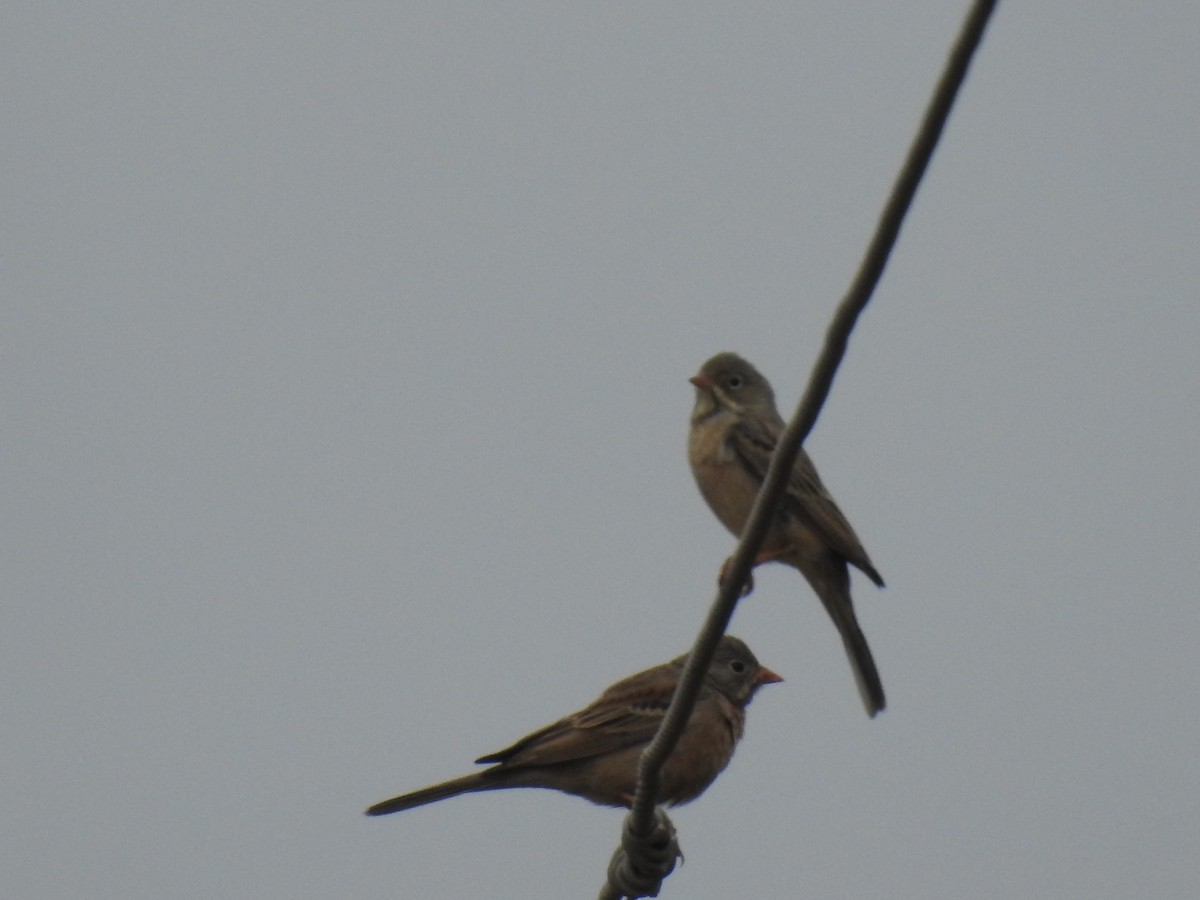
<point x="642" y="819"/>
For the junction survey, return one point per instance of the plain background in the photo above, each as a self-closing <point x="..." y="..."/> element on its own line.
<point x="344" y="396"/>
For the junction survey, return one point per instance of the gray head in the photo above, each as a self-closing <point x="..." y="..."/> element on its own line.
<point x="735" y="671"/>
<point x="731" y="383"/>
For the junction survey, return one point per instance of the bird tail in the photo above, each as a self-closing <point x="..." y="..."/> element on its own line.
<point x="870" y="686"/>
<point x="465" y="785"/>
<point x="835" y="596"/>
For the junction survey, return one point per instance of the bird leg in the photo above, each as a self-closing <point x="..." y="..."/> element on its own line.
<point x="764" y="556"/>
<point x="747" y="588"/>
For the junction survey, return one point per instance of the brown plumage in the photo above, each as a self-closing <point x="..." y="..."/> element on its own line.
<point x="734" y="430"/>
<point x="594" y="753"/>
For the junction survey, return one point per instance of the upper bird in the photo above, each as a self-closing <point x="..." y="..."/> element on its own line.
<point x="594" y="753"/>
<point x="734" y="430"/>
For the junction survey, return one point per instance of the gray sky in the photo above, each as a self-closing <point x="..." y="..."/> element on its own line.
<point x="344" y="385"/>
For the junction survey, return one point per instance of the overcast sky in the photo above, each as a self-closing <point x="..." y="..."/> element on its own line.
<point x="344" y="388"/>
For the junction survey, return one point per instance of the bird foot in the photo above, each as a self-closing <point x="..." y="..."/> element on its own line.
<point x="747" y="588"/>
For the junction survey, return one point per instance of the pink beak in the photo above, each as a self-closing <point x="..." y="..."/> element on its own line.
<point x="766" y="676"/>
<point x="702" y="381"/>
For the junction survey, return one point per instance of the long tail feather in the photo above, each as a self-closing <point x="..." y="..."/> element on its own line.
<point x="832" y="585"/>
<point x="465" y="785"/>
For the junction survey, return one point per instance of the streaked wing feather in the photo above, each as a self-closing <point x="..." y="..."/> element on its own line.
<point x="753" y="442"/>
<point x="621" y="717"/>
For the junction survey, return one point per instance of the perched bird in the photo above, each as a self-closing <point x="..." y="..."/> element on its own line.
<point x="734" y="430"/>
<point x="594" y="753"/>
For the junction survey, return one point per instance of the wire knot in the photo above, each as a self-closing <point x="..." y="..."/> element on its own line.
<point x="640" y="864"/>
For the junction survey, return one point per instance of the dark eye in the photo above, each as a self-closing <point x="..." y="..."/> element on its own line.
<point x="738" y="666"/>
<point x="734" y="382"/>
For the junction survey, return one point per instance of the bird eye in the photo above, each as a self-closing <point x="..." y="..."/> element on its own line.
<point x="738" y="666"/>
<point x="734" y="381"/>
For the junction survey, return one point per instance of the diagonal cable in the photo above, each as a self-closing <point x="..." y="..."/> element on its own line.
<point x="642" y="818"/>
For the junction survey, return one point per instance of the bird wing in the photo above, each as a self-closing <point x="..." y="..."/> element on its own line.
<point x="628" y="713"/>
<point x="752" y="442"/>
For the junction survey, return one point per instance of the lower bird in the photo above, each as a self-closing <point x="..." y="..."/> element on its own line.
<point x="734" y="430"/>
<point x="594" y="753"/>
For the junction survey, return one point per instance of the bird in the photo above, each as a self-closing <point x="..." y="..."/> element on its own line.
<point x="594" y="753"/>
<point x="734" y="430"/>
